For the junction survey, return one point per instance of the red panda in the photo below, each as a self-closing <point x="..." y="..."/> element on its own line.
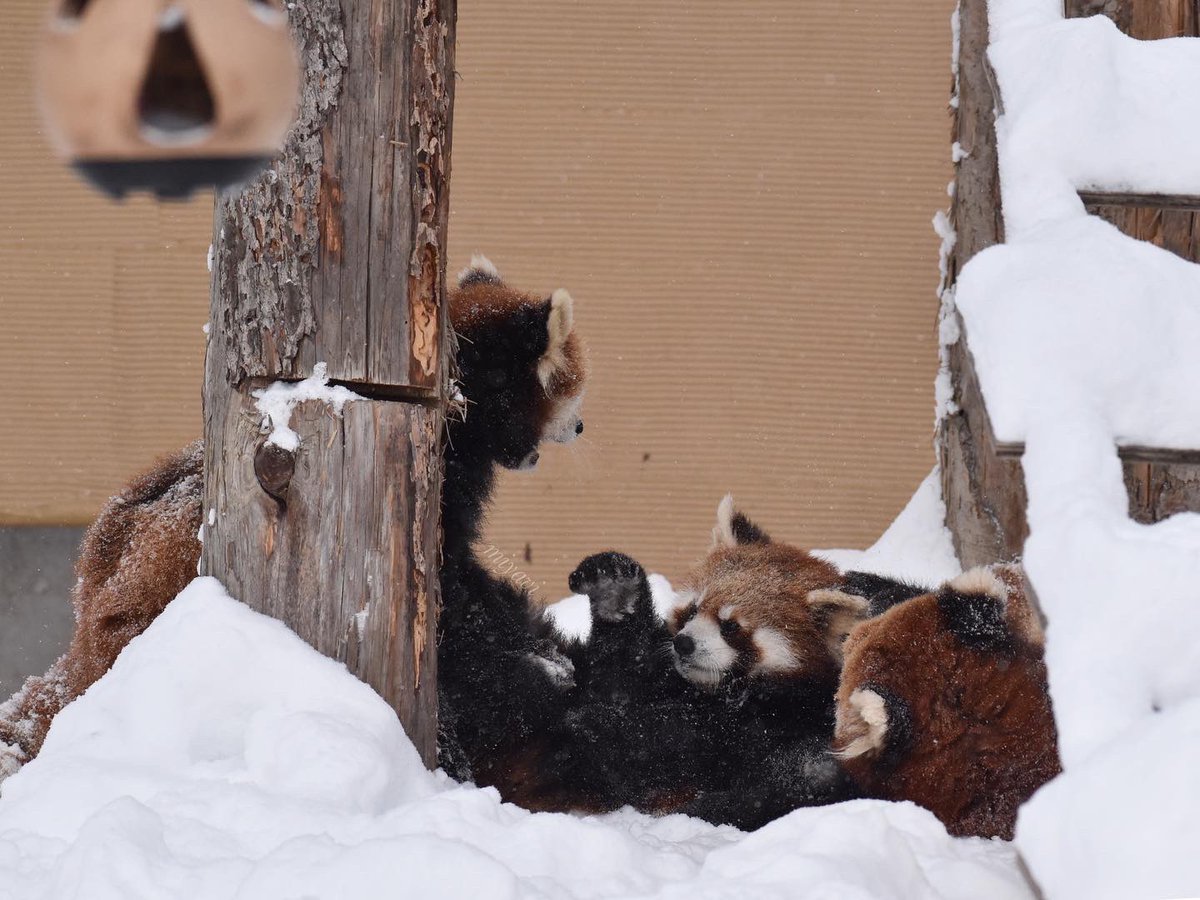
<point x="724" y="712"/>
<point x="943" y="701"/>
<point x="522" y="372"/>
<point x="760" y="608"/>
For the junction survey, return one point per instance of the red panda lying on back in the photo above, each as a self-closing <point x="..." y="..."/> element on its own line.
<point x="943" y="701"/>
<point x="724" y="712"/>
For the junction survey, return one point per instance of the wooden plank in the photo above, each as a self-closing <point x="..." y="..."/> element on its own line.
<point x="1142" y="19"/>
<point x="1174" y="229"/>
<point x="1157" y="201"/>
<point x="337" y="256"/>
<point x="988" y="515"/>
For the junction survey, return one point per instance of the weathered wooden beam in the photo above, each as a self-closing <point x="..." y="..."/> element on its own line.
<point x="1146" y="20"/>
<point x="338" y="256"/>
<point x="1156" y="201"/>
<point x="1176" y="229"/>
<point x="980" y="506"/>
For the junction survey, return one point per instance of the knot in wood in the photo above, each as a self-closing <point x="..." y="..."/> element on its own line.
<point x="274" y="468"/>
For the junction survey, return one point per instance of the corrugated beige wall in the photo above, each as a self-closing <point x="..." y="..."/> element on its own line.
<point x="738" y="195"/>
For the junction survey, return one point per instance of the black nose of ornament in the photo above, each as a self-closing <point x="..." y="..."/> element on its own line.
<point x="684" y="645"/>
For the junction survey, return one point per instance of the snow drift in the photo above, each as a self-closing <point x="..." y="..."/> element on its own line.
<point x="221" y="757"/>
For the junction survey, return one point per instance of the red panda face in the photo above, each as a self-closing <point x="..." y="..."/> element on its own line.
<point x="746" y="609"/>
<point x="522" y="368"/>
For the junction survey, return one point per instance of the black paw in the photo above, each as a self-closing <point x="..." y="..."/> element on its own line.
<point x="612" y="581"/>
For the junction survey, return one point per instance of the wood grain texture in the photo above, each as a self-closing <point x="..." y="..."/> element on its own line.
<point x="354" y="213"/>
<point x="1145" y="20"/>
<point x="1173" y="228"/>
<point x="337" y="257"/>
<point x="985" y="496"/>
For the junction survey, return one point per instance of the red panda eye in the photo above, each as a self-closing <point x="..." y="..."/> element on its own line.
<point x="730" y="627"/>
<point x="690" y="612"/>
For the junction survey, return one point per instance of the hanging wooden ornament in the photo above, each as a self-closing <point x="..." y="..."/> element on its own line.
<point x="168" y="95"/>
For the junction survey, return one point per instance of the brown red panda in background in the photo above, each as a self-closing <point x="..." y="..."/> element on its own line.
<point x="140" y="552"/>
<point x="943" y="701"/>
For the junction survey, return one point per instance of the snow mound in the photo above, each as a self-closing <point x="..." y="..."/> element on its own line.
<point x="223" y="758"/>
<point x="1085" y="339"/>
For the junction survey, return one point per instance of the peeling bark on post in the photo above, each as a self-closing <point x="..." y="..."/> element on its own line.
<point x="337" y="255"/>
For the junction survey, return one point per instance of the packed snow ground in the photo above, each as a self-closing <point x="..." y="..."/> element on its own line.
<point x="223" y="758"/>
<point x="1084" y="339"/>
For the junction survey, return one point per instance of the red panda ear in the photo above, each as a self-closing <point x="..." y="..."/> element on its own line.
<point x="481" y="271"/>
<point x="734" y="529"/>
<point x="862" y="724"/>
<point x="560" y="319"/>
<point x="837" y="613"/>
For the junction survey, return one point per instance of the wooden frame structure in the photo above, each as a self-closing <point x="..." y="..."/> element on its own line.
<point x="982" y="480"/>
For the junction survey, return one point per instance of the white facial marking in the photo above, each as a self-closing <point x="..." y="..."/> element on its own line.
<point x="867" y="721"/>
<point x="725" y="611"/>
<point x="775" y="653"/>
<point x="712" y="656"/>
<point x="564" y="427"/>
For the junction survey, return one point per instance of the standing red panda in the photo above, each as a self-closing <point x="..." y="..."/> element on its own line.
<point x="522" y="371"/>
<point x="943" y="701"/>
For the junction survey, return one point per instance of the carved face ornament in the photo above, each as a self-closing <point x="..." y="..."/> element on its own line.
<point x="168" y="95"/>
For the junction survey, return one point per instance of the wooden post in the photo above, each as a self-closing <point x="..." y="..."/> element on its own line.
<point x="982" y="480"/>
<point x="337" y="255"/>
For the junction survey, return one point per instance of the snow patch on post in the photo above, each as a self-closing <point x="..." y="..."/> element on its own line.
<point x="276" y="403"/>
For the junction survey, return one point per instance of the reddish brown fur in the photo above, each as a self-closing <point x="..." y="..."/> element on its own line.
<point x="768" y="585"/>
<point x="981" y="733"/>
<point x="140" y="552"/>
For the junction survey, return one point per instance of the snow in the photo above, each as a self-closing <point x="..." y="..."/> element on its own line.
<point x="1085" y="339"/>
<point x="221" y="757"/>
<point x="275" y="404"/>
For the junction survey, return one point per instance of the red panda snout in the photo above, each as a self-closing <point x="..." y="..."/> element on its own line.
<point x="708" y="647"/>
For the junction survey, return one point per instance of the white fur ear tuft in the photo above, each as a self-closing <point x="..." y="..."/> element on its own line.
<point x="481" y="269"/>
<point x="980" y="580"/>
<point x="723" y="535"/>
<point x="559" y="323"/>
<point x="865" y="723"/>
<point x="562" y="317"/>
